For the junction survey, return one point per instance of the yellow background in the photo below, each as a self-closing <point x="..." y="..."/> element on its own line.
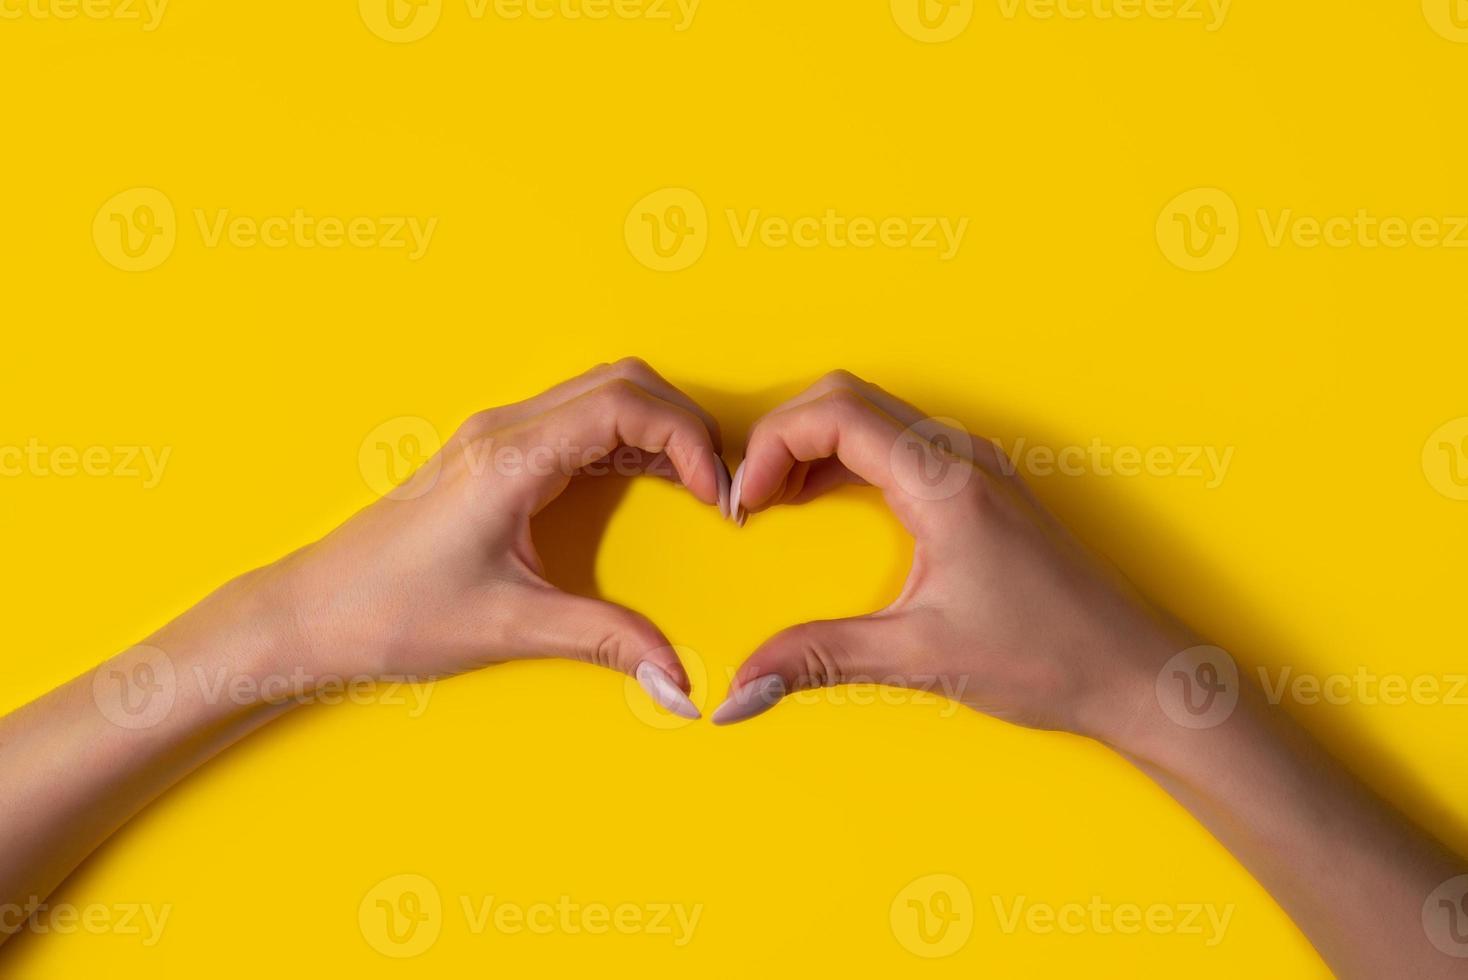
<point x="1060" y="321"/>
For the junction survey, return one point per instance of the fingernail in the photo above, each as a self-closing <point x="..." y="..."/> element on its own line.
<point x="754" y="698"/>
<point x="735" y="514"/>
<point x="660" y="687"/>
<point x="721" y="472"/>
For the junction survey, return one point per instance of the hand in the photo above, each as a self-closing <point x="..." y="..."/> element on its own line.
<point x="1002" y="604"/>
<point x="441" y="576"/>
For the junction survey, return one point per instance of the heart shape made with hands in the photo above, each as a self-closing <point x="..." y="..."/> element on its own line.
<point x="845" y="555"/>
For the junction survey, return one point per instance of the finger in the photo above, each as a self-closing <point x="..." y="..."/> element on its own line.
<point x="594" y="424"/>
<point x="819" y="654"/>
<point x="821" y="477"/>
<point x="608" y="635"/>
<point x="959" y="440"/>
<point x="843" y="425"/>
<point x="633" y="369"/>
<point x="631" y="461"/>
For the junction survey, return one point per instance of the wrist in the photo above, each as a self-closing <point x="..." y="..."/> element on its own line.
<point x="1191" y="713"/>
<point x="240" y="644"/>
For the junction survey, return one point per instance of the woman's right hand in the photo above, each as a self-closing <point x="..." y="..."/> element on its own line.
<point x="1002" y="604"/>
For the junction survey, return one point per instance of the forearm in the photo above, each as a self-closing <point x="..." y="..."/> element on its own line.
<point x="79" y="762"/>
<point x="1350" y="870"/>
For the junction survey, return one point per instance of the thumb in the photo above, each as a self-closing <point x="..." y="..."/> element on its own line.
<point x="819" y="654"/>
<point x="609" y="635"/>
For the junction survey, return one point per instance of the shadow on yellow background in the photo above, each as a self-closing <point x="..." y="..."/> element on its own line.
<point x="844" y="833"/>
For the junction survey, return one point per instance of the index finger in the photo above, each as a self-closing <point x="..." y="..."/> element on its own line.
<point x="594" y="424"/>
<point x="841" y="424"/>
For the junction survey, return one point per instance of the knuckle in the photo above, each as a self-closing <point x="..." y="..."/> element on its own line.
<point x="602" y="649"/>
<point x="977" y="495"/>
<point x="821" y="662"/>
<point x="618" y="391"/>
<point x="844" y="400"/>
<point x="839" y="378"/>
<point x="631" y="367"/>
<point x="479" y="424"/>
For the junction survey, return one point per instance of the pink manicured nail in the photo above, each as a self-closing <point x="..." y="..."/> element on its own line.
<point x="721" y="472"/>
<point x="735" y="514"/>
<point x="660" y="687"/>
<point x="754" y="698"/>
